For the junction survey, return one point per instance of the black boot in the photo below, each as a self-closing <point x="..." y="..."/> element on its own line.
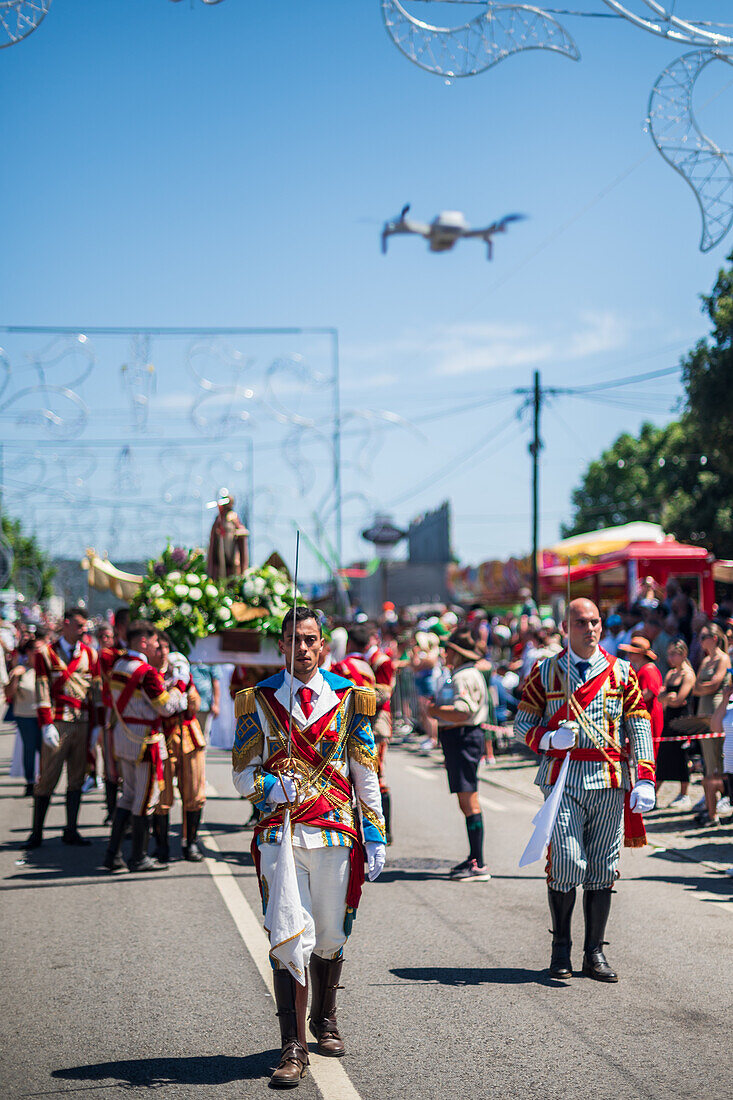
<point x="162" y="851"/>
<point x="290" y="998"/>
<point x="29" y="790"/>
<point x="139" y="858"/>
<point x="41" y="802"/>
<point x="387" y="811"/>
<point x="561" y="910"/>
<point x="191" y="850"/>
<point x="71" y="835"/>
<point x="113" y="861"/>
<point x="597" y="906"/>
<point x="325" y="976"/>
<point x="110" y="796"/>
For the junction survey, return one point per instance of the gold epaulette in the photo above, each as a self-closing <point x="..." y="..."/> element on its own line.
<point x="244" y="702"/>
<point x="365" y="701"/>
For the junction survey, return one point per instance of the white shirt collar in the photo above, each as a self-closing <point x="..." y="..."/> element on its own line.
<point x="588" y="660"/>
<point x="316" y="685"/>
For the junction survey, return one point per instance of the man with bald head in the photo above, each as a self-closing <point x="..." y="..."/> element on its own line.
<point x="586" y="703"/>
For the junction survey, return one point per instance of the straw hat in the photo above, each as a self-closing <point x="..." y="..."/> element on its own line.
<point x="639" y="644"/>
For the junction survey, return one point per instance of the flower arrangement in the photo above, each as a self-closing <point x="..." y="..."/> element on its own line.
<point x="177" y="596"/>
<point x="269" y="588"/>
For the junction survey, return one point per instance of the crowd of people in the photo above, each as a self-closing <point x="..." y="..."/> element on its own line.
<point x="681" y="656"/>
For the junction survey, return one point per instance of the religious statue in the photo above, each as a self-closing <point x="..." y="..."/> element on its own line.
<point x="228" y="541"/>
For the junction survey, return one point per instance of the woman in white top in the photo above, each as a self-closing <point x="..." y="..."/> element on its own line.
<point x="20" y="691"/>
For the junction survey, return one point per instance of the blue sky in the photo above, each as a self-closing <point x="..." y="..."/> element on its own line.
<point x="231" y="165"/>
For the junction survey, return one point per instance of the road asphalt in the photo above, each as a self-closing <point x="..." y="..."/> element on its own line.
<point x="125" y="985"/>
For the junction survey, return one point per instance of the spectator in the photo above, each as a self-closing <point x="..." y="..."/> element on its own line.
<point x="711" y="682"/>
<point x="206" y="681"/>
<point x="424" y="662"/>
<point x="609" y="641"/>
<point x="676" y="699"/>
<point x="643" y="658"/>
<point x="20" y="692"/>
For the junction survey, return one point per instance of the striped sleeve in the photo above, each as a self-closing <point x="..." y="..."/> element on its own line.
<point x="638" y="726"/>
<point x="528" y="725"/>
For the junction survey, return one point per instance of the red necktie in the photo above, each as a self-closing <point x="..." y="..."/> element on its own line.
<point x="306" y="701"/>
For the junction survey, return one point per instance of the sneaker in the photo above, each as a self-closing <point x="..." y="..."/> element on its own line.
<point x="459" y="867"/>
<point x="473" y="873"/>
<point x="426" y="747"/>
<point x="724" y="805"/>
<point x="681" y="802"/>
<point x="729" y="871"/>
<point x="87" y="784"/>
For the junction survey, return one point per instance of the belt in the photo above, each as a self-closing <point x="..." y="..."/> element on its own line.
<point x="592" y="755"/>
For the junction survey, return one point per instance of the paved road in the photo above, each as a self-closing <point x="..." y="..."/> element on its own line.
<point x="115" y="987"/>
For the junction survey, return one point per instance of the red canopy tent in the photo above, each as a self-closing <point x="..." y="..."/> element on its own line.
<point x="615" y="576"/>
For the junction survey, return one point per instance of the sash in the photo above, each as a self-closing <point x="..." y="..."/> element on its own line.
<point x="65" y="673"/>
<point x="583" y="695"/>
<point x="150" y="744"/>
<point x="314" y="732"/>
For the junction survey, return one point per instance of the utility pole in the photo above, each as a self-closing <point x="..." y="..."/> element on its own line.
<point x="534" y="449"/>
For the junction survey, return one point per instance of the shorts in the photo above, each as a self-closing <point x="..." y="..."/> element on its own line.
<point x="463" y="747"/>
<point x="712" y="756"/>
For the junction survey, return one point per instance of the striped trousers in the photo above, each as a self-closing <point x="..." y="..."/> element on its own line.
<point x="585" y="845"/>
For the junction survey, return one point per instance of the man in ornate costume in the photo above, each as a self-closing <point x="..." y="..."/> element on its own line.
<point x="330" y="758"/>
<point x="599" y="719"/>
<point x="68" y="703"/>
<point x="228" y="541"/>
<point x="139" y="703"/>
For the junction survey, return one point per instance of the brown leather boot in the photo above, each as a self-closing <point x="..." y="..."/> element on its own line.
<point x="325" y="976"/>
<point x="291" y="998"/>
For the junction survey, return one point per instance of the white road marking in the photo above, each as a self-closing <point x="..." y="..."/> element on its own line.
<point x="422" y="772"/>
<point x="328" y="1074"/>
<point x="495" y="806"/>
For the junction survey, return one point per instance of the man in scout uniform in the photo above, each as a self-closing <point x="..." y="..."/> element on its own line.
<point x="68" y="704"/>
<point x="186" y="758"/>
<point x="139" y="702"/>
<point x="332" y="756"/>
<point x="605" y="727"/>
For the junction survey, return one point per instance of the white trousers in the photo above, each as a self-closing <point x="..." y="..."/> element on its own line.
<point x="323" y="878"/>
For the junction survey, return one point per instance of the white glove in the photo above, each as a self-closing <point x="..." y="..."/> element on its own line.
<point x="283" y="791"/>
<point x="50" y="736"/>
<point x="643" y="797"/>
<point x="376" y="854"/>
<point x="564" y="737"/>
<point x="94" y="737"/>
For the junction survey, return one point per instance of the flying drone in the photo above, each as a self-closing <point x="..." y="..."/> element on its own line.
<point x="445" y="230"/>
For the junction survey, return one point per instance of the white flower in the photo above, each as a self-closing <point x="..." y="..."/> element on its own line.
<point x="195" y="593"/>
<point x="211" y="590"/>
<point x="224" y="613"/>
<point x="174" y="576"/>
<point x="185" y="608"/>
<point x="193" y="578"/>
<point x="181" y="590"/>
<point x="279" y="588"/>
<point x="228" y="601"/>
<point x="156" y="590"/>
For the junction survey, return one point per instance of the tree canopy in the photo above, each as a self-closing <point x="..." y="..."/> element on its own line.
<point x="680" y="476"/>
<point x="32" y="571"/>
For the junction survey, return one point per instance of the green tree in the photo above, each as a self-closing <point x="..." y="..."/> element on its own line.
<point x="681" y="475"/>
<point x="31" y="570"/>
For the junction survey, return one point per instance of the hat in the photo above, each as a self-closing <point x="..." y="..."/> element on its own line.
<point x="502" y="631"/>
<point x="614" y="620"/>
<point x="463" y="642"/>
<point x="639" y="644"/>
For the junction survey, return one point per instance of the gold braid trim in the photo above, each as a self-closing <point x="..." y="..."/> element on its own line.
<point x="365" y="701"/>
<point x="244" y="702"/>
<point x="358" y="751"/>
<point x="253" y="746"/>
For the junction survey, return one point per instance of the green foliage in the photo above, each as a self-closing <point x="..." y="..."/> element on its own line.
<point x="31" y="566"/>
<point x="681" y="475"/>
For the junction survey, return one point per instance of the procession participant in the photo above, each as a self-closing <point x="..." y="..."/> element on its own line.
<point x="598" y="802"/>
<point x="228" y="541"/>
<point x="333" y="751"/>
<point x="357" y="668"/>
<point x="461" y="712"/>
<point x="208" y="685"/>
<point x="68" y="704"/>
<point x="186" y="757"/>
<point x="107" y="658"/>
<point x="139" y="702"/>
<point x="642" y="658"/>
<point x="385" y="677"/>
